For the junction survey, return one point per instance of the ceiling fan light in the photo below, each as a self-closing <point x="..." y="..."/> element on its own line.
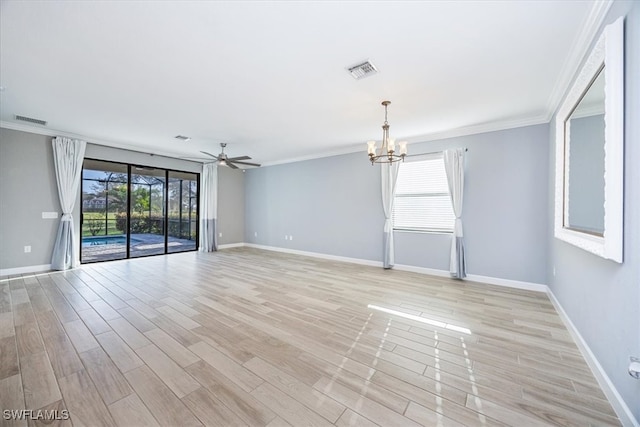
<point x="222" y="162"/>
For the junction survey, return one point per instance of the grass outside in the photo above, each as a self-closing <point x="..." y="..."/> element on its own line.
<point x="94" y="224"/>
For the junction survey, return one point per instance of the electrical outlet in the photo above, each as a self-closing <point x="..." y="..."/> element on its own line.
<point x="286" y="237"/>
<point x="27" y="249"/>
<point x="554" y="271"/>
<point x="219" y="234"/>
<point x="634" y="367"/>
<point x="290" y="237"/>
<point x="255" y="234"/>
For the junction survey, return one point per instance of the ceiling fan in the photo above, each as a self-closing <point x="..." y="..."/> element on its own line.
<point x="223" y="160"/>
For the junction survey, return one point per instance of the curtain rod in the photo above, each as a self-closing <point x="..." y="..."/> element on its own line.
<point x="431" y="152"/>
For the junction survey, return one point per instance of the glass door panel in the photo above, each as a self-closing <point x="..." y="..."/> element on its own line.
<point x="183" y="211"/>
<point x="104" y="211"/>
<point x="147" y="212"/>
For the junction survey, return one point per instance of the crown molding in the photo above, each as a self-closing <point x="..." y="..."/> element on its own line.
<point x="95" y="141"/>
<point x="480" y="128"/>
<point x="337" y="152"/>
<point x="579" y="49"/>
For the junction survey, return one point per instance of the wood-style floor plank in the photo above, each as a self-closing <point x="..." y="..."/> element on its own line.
<point x="12" y="398"/>
<point x="28" y="339"/>
<point x="244" y="405"/>
<point x="237" y="373"/>
<point x="128" y="333"/>
<point x="130" y="411"/>
<point x="121" y="354"/>
<point x="162" y="403"/>
<point x="176" y="351"/>
<point x="322" y="404"/>
<point x="104" y="372"/>
<point x="179" y="381"/>
<point x="86" y="408"/>
<point x="362" y="405"/>
<point x="94" y="322"/>
<point x="80" y="336"/>
<point x="245" y="337"/>
<point x="6" y="324"/>
<point x="8" y="357"/>
<point x="38" y="381"/>
<point x="55" y="414"/>
<point x="287" y="407"/>
<point x="210" y="410"/>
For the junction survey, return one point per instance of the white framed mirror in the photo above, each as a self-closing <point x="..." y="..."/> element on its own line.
<point x="590" y="151"/>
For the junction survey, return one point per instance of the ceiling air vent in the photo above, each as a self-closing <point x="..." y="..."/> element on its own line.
<point x="182" y="138"/>
<point x="31" y="120"/>
<point x="362" y="70"/>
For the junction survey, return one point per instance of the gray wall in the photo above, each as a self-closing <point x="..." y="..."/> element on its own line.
<point x="28" y="188"/>
<point x="332" y="206"/>
<point x="601" y="297"/>
<point x="230" y="205"/>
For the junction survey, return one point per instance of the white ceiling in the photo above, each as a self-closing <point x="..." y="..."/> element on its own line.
<point x="270" y="79"/>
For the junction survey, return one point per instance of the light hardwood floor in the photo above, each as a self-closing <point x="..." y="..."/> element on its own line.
<point x="250" y="337"/>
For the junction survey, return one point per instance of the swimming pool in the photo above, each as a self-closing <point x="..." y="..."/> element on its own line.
<point x="104" y="240"/>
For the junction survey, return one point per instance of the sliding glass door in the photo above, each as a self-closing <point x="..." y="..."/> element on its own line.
<point x="147" y="212"/>
<point x="104" y="211"/>
<point x="132" y="211"/>
<point x="183" y="211"/>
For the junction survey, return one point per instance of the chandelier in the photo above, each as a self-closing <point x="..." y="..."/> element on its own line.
<point x="387" y="151"/>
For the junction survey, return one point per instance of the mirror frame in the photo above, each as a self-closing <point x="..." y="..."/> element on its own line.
<point x="608" y="51"/>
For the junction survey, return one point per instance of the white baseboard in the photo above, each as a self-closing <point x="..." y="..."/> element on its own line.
<point x="316" y="255"/>
<point x="25" y="270"/>
<point x="422" y="270"/>
<point x="517" y="284"/>
<point x="231" y="245"/>
<point x="619" y="405"/>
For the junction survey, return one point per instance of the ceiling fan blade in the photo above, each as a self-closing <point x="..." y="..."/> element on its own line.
<point x="247" y="163"/>
<point x="233" y="159"/>
<point x="231" y="165"/>
<point x="209" y="154"/>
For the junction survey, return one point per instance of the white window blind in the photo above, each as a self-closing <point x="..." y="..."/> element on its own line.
<point x="422" y="201"/>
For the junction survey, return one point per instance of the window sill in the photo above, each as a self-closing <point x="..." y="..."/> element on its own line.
<point x="403" y="230"/>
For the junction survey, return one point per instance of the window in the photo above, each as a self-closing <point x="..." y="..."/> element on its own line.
<point x="422" y="201"/>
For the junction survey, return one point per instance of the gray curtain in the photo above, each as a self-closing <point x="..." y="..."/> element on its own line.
<point x="67" y="159"/>
<point x="209" y="208"/>
<point x="389" y="175"/>
<point x="454" y="166"/>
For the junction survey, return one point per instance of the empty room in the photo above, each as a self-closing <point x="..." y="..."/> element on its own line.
<point x="292" y="213"/>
